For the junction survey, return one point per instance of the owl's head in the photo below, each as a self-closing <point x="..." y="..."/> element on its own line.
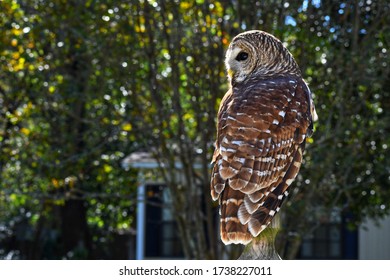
<point x="256" y="54"/>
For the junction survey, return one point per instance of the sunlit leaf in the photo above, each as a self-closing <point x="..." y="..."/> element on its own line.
<point x="25" y="131"/>
<point x="127" y="127"/>
<point x="107" y="168"/>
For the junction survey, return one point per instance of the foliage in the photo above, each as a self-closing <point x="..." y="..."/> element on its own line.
<point x="85" y="83"/>
<point x="63" y="130"/>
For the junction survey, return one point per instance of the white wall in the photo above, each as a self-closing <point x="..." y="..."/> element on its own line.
<point x="374" y="241"/>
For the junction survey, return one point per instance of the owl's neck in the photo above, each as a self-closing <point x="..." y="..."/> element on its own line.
<point x="266" y="76"/>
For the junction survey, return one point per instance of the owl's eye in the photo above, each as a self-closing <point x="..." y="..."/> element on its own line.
<point x="242" y="56"/>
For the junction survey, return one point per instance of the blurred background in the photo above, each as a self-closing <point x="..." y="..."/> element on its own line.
<point x="107" y="124"/>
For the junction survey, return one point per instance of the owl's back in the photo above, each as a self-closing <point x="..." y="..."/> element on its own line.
<point x="262" y="126"/>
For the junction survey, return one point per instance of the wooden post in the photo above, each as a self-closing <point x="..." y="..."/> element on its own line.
<point x="263" y="246"/>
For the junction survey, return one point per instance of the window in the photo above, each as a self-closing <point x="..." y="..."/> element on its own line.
<point x="331" y="240"/>
<point x="324" y="243"/>
<point x="161" y="240"/>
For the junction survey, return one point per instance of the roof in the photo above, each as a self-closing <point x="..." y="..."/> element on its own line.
<point x="146" y="160"/>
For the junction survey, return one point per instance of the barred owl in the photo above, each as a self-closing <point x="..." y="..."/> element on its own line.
<point x="263" y="121"/>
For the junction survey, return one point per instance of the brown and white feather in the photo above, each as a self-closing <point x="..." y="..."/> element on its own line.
<point x="263" y="121"/>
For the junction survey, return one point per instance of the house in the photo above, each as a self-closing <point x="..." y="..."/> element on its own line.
<point x="331" y="240"/>
<point x="374" y="240"/>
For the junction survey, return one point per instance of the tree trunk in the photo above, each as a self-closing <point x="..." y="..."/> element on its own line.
<point x="76" y="238"/>
<point x="263" y="246"/>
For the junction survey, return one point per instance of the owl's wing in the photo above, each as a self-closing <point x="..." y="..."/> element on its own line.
<point x="260" y="141"/>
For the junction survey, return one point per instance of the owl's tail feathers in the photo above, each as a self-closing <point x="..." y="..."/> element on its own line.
<point x="232" y="230"/>
<point x="258" y="219"/>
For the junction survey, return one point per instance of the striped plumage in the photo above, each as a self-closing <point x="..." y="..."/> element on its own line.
<point x="263" y="121"/>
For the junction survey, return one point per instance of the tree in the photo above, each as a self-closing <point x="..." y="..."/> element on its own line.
<point x="63" y="138"/>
